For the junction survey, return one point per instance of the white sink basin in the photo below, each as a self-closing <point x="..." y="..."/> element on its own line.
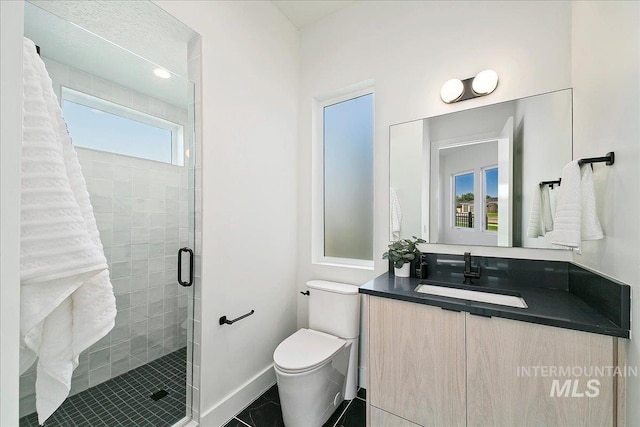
<point x="508" y="300"/>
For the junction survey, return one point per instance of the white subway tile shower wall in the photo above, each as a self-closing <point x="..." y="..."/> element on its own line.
<point x="142" y="212"/>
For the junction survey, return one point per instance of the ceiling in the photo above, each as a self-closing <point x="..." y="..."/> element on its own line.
<point x="100" y="37"/>
<point x="305" y="12"/>
<point x="140" y="34"/>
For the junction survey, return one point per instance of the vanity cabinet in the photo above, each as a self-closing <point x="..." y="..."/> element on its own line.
<point x="416" y="363"/>
<point x="510" y="378"/>
<point x="433" y="367"/>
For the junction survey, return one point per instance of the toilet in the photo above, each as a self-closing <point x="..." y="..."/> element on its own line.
<point x="316" y="368"/>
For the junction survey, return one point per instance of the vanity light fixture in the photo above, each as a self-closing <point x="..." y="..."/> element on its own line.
<point x="485" y="82"/>
<point x="482" y="84"/>
<point x="162" y="73"/>
<point x="451" y="91"/>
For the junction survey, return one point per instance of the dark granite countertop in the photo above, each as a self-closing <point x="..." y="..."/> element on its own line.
<point x="558" y="306"/>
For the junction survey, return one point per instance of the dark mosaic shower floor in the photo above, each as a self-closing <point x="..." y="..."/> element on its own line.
<point x="265" y="412"/>
<point x="125" y="400"/>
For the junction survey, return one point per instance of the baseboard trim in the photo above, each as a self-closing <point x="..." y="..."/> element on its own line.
<point x="362" y="377"/>
<point x="236" y="401"/>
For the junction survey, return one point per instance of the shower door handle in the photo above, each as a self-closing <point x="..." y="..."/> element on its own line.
<point x="190" y="252"/>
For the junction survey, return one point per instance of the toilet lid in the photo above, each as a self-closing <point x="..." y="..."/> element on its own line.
<point x="306" y="349"/>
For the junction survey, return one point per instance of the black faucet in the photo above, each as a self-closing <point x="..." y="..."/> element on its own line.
<point x="469" y="272"/>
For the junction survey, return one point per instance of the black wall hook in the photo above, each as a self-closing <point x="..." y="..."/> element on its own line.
<point x="305" y="293"/>
<point x="609" y="159"/>
<point x="551" y="184"/>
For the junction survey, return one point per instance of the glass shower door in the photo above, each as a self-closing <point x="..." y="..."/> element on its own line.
<point x="134" y="135"/>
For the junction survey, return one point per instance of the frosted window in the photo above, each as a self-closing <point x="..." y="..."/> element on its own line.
<point x="464" y="200"/>
<point x="348" y="179"/>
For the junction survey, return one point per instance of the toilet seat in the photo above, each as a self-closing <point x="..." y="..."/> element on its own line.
<point x="306" y="350"/>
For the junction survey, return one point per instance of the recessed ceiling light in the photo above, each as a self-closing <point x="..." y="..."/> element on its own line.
<point x="162" y="73"/>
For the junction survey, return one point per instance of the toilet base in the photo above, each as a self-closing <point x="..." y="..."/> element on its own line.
<point x="308" y="399"/>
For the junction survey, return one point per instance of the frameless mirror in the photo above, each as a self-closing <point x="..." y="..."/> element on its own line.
<point x="470" y="177"/>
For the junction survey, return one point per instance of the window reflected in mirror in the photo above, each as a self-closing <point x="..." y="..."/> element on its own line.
<point x="491" y="199"/>
<point x="464" y="200"/>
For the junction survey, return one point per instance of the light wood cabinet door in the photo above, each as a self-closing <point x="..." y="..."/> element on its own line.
<point x="511" y="380"/>
<point x="380" y="418"/>
<point x="417" y="362"/>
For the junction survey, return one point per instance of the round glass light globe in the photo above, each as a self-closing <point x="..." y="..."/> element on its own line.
<point x="451" y="90"/>
<point x="485" y="82"/>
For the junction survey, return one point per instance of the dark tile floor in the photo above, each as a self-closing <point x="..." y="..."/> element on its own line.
<point x="265" y="412"/>
<point x="125" y="400"/>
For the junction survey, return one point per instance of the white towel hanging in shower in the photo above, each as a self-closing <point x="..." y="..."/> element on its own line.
<point x="66" y="297"/>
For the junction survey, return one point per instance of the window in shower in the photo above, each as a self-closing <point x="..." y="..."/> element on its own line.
<point x="105" y="126"/>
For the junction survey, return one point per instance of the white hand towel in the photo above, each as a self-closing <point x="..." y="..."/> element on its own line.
<point x="540" y="219"/>
<point x="536" y="228"/>
<point x="568" y="220"/>
<point x="576" y="218"/>
<point x="545" y="208"/>
<point x="67" y="301"/>
<point x="396" y="215"/>
<point x="590" y="229"/>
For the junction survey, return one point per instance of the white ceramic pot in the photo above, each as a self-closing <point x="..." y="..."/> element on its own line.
<point x="404" y="271"/>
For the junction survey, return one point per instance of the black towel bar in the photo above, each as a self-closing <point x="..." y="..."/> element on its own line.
<point x="608" y="159"/>
<point x="223" y="320"/>
<point x="551" y="183"/>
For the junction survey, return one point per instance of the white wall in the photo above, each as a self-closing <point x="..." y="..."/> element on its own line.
<point x="249" y="154"/>
<point x="405" y="162"/>
<point x="606" y="80"/>
<point x="410" y="48"/>
<point x="11" y="24"/>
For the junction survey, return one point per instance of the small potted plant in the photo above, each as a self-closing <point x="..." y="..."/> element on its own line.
<point x="401" y="253"/>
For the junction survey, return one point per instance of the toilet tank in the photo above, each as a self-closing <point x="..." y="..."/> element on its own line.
<point x="334" y="308"/>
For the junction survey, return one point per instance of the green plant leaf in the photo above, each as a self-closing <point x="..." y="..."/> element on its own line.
<point x="403" y="250"/>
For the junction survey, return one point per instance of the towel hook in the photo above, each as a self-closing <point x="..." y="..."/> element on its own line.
<point x="609" y="159"/>
<point x="551" y="183"/>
